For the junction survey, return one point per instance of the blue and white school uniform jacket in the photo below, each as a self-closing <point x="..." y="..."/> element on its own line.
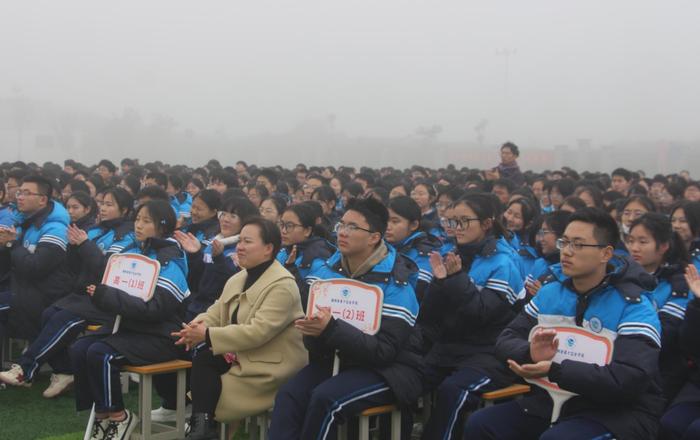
<point x="624" y="396"/>
<point x="670" y="297"/>
<point x="181" y="204"/>
<point x="39" y="273"/>
<point x="496" y="267"/>
<point x="387" y="352"/>
<point x="462" y="315"/>
<point x="695" y="253"/>
<point x="215" y="271"/>
<point x="311" y="256"/>
<point x="527" y="255"/>
<point x="144" y="332"/>
<point x="418" y="247"/>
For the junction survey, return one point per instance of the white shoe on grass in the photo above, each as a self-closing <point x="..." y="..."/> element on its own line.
<point x="14" y="376"/>
<point x="121" y="430"/>
<point x="162" y="415"/>
<point x="59" y="384"/>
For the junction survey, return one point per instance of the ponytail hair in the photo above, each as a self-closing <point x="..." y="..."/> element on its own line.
<point x="659" y="226"/>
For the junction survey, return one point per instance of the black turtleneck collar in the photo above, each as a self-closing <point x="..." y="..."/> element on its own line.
<point x="38" y="217"/>
<point x="254" y="273"/>
<point x="552" y="257"/>
<point x="85" y="222"/>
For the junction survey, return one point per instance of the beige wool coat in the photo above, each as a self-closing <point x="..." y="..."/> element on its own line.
<point x="269" y="349"/>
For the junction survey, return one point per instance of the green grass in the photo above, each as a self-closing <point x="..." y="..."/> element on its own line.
<point x="26" y="415"/>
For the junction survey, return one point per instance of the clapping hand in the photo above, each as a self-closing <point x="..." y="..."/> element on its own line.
<point x="188" y="242"/>
<point x="693" y="279"/>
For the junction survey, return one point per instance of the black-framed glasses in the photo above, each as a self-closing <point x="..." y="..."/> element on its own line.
<point x="459" y="223"/>
<point x="349" y="228"/>
<point x="288" y="226"/>
<point x="576" y="246"/>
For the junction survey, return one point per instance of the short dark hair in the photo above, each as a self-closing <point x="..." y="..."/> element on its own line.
<point x="107" y="164"/>
<point x="269" y="232"/>
<point x="270" y="174"/>
<point x="376" y="214"/>
<point x="153" y="193"/>
<point x="160" y="178"/>
<point x="605" y="228"/>
<point x="513" y="148"/>
<point x="224" y="177"/>
<point x="163" y="216"/>
<point x="210" y="197"/>
<point x="241" y="206"/>
<point x="44" y="185"/>
<point x="122" y="197"/>
<point x="625" y="174"/>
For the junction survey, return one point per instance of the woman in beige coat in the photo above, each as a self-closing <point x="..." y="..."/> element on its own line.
<point x="252" y="347"/>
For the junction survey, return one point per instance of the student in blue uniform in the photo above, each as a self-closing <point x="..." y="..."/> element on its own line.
<point x="82" y="210"/>
<point x="682" y="418"/>
<point x="374" y="369"/>
<point x="603" y="294"/>
<point x="551" y="229"/>
<point x="35" y="254"/>
<point x="67" y="318"/>
<point x="519" y="217"/>
<point x="304" y="245"/>
<point x="144" y="333"/>
<point x="405" y="232"/>
<point x="685" y="219"/>
<point x="661" y="252"/>
<point x="180" y="200"/>
<point x="203" y="228"/>
<point x="463" y="312"/>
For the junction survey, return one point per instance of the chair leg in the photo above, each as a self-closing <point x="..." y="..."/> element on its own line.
<point x="253" y="431"/>
<point x="91" y="423"/>
<point x="124" y="379"/>
<point x="364" y="428"/>
<point x="145" y="396"/>
<point x="263" y="424"/>
<point x="181" y="403"/>
<point x="396" y="425"/>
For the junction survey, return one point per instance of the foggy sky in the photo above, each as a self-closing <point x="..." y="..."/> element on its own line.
<point x="607" y="70"/>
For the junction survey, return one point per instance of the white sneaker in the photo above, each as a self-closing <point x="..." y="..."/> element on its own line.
<point x="98" y="429"/>
<point x="168" y="415"/>
<point x="59" y="384"/>
<point x="121" y="430"/>
<point x="14" y="376"/>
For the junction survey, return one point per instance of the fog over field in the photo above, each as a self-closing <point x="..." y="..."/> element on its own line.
<point x="589" y="84"/>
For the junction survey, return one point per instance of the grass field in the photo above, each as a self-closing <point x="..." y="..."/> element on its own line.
<point x="26" y="415"/>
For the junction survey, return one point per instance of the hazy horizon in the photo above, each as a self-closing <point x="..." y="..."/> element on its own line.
<point x="612" y="72"/>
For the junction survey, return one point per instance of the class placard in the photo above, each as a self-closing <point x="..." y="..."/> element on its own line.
<point x="357" y="303"/>
<point x="134" y="274"/>
<point x="575" y="344"/>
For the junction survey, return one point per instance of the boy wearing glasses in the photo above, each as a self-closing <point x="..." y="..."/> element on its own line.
<point x="374" y="369"/>
<point x="604" y="295"/>
<point x="35" y="255"/>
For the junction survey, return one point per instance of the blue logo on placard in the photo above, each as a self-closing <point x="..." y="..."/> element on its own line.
<point x="570" y="342"/>
<point x="345" y="292"/>
<point x="595" y="324"/>
<point x="133" y="265"/>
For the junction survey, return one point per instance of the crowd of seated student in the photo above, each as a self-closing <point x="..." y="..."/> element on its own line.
<point x="471" y="263"/>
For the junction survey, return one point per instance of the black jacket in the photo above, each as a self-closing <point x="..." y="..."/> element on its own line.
<point x="38" y="278"/>
<point x="393" y="352"/>
<point x="625" y="395"/>
<point x="145" y="328"/>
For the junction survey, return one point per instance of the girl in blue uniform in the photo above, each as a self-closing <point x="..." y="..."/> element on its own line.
<point x="304" y="245"/>
<point x="519" y="217"/>
<point x="661" y="252"/>
<point x="464" y="311"/>
<point x="405" y="233"/>
<point x="144" y="334"/>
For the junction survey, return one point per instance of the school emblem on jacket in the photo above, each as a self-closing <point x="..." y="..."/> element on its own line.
<point x="595" y="324"/>
<point x="571" y="342"/>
